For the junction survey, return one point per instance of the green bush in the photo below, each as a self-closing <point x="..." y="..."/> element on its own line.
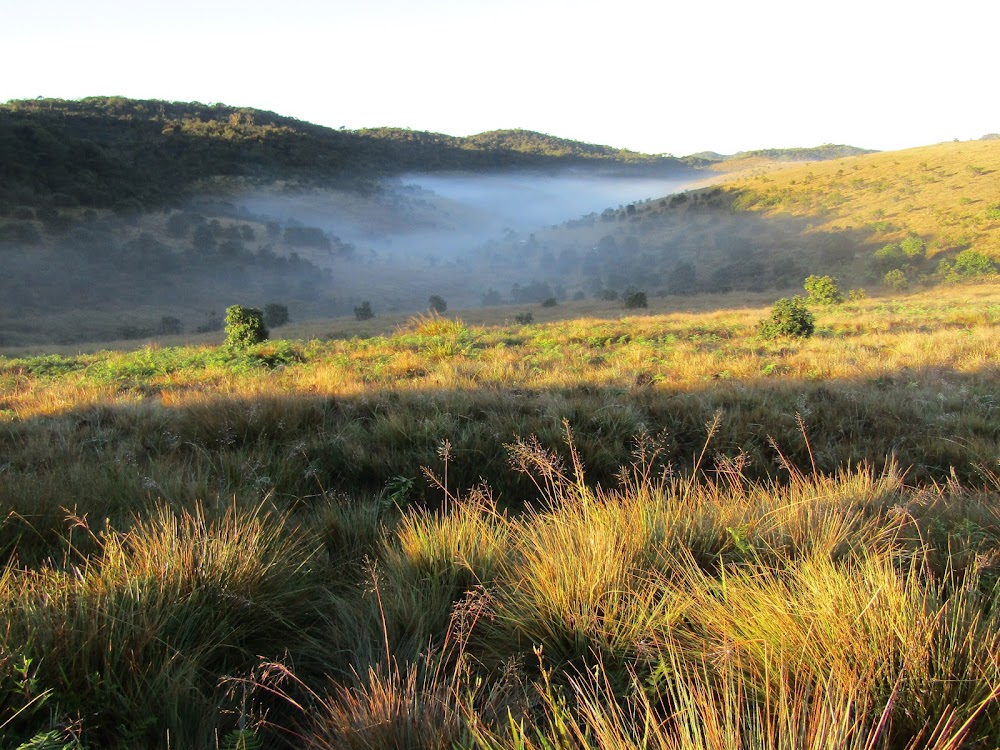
<point x="437" y="303"/>
<point x="364" y="311"/>
<point x="789" y="317"/>
<point x="896" y="280"/>
<point x="525" y="318"/>
<point x="244" y="327"/>
<point x="823" y="290"/>
<point x="913" y="247"/>
<point x="888" y="258"/>
<point x="968" y="264"/>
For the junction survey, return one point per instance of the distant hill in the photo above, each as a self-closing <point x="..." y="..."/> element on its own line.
<point x="116" y="152"/>
<point x="814" y="153"/>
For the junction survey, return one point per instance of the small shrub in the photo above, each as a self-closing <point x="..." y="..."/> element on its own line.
<point x="525" y="318"/>
<point x="635" y="300"/>
<point x="888" y="258"/>
<point x="549" y="302"/>
<point x="364" y="311"/>
<point x="789" y="317"/>
<point x="912" y="247"/>
<point x="856" y="295"/>
<point x="896" y="280"/>
<point x="823" y="290"/>
<point x="244" y="327"/>
<point x="437" y="303"/>
<point x="993" y="213"/>
<point x="275" y="315"/>
<point x="609" y="294"/>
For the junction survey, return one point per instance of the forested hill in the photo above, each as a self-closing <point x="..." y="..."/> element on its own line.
<point x="117" y="152"/>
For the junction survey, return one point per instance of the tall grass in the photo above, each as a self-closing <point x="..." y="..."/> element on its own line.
<point x="763" y="559"/>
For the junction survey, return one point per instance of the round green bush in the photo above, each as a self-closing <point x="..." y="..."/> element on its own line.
<point x="789" y="317"/>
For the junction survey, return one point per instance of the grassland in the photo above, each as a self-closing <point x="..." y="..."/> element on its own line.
<point x="945" y="194"/>
<point x="605" y="531"/>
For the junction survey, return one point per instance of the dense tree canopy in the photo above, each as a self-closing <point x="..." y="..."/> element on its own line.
<point x="109" y="151"/>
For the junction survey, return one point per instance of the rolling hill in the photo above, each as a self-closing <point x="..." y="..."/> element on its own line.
<point x="116" y="152"/>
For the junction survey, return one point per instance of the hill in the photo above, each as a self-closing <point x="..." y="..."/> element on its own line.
<point x="944" y="193"/>
<point x="106" y="237"/>
<point x="117" y="152"/>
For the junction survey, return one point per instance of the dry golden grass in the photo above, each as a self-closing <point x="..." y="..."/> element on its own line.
<point x="926" y="331"/>
<point x="940" y="193"/>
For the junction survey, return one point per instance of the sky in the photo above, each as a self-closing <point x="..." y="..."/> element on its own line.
<point x="652" y="76"/>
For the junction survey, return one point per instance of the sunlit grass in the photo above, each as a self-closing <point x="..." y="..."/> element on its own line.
<point x="651" y="531"/>
<point x="942" y="193"/>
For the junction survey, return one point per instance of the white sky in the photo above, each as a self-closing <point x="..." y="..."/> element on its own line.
<point x="650" y="75"/>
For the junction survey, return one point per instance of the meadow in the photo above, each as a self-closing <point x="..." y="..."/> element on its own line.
<point x="602" y="529"/>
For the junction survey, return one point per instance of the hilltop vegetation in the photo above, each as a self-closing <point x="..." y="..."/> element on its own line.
<point x="112" y="152"/>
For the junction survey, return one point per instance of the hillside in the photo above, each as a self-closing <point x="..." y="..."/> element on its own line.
<point x="126" y="219"/>
<point x="877" y="220"/>
<point x="947" y="195"/>
<point x="117" y="152"/>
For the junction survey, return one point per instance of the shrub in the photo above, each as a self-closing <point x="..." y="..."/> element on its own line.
<point x="887" y="258"/>
<point x="244" y="327"/>
<point x="912" y="247"/>
<point x="437" y="303"/>
<point x="823" y="290"/>
<point x="969" y="264"/>
<point x="896" y="280"/>
<point x="364" y="311"/>
<point x="973" y="263"/>
<point x="634" y="300"/>
<point x="275" y="315"/>
<point x="524" y="318"/>
<point x="789" y="317"/>
<point x="549" y="302"/>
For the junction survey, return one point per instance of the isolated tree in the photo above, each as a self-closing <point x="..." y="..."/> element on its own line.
<point x="437" y="303"/>
<point x="789" y="317"/>
<point x="823" y="290"/>
<point x="364" y="311"/>
<point x="244" y="327"/>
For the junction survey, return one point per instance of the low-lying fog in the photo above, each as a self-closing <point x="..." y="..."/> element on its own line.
<point x="455" y="235"/>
